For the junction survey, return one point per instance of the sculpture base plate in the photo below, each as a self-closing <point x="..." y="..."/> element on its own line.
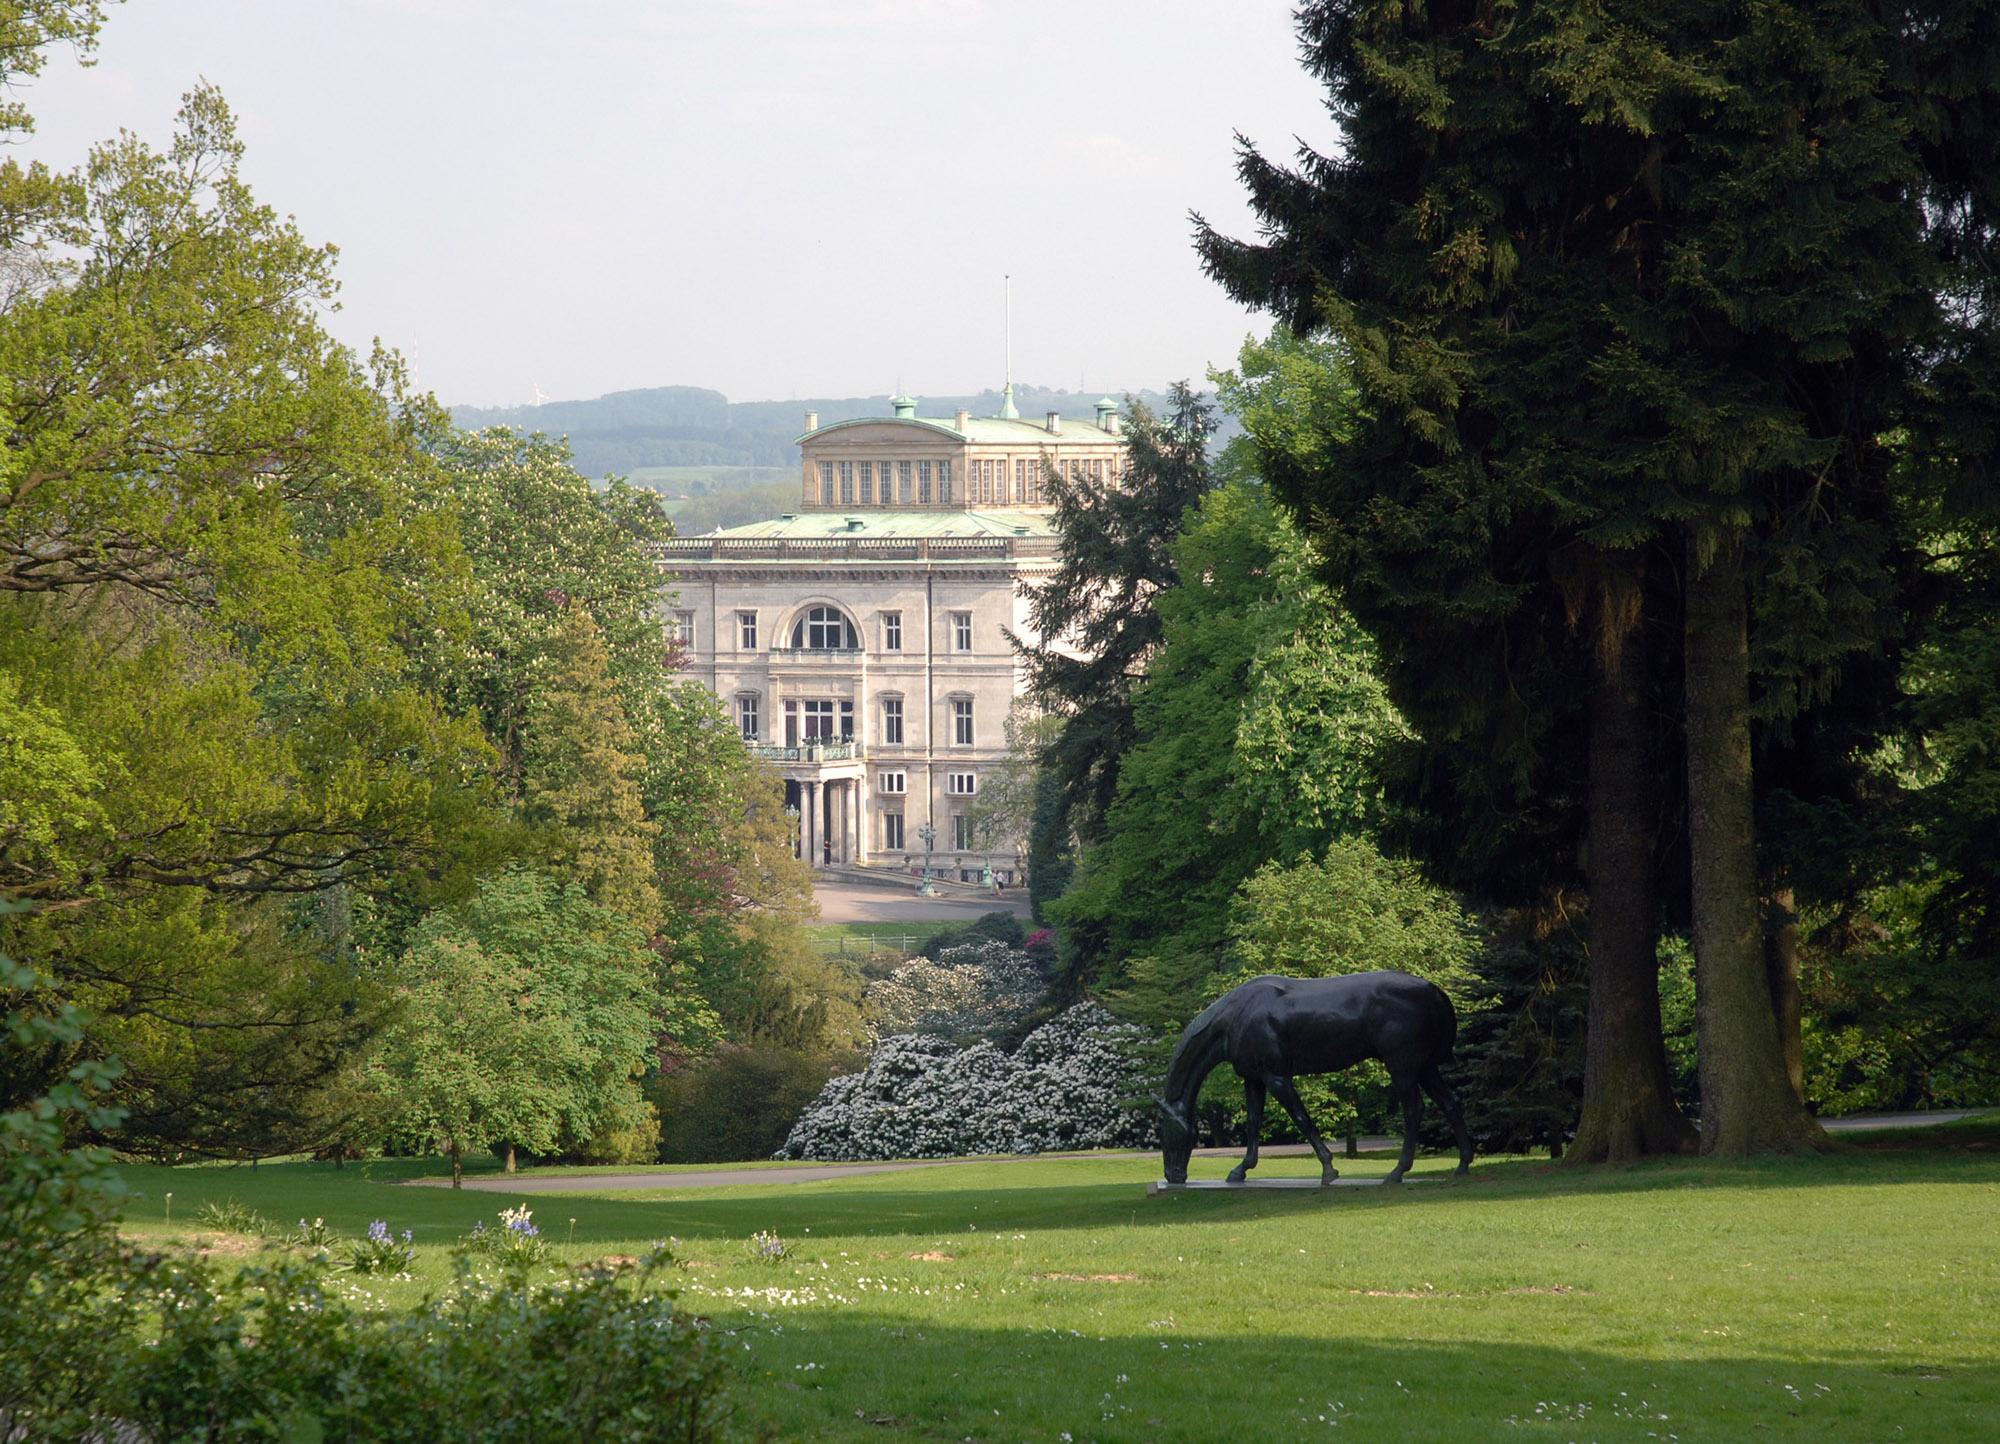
<point x="1251" y="1185"/>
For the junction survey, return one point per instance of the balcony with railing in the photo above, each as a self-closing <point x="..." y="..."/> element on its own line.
<point x="818" y="656"/>
<point x="842" y="749"/>
<point x="855" y="549"/>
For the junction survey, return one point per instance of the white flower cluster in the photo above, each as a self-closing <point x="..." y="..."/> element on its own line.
<point x="1071" y="1084"/>
<point x="972" y="990"/>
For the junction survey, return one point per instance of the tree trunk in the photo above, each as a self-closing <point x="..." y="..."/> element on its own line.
<point x="1747" y="1101"/>
<point x="1781" y="967"/>
<point x="510" y="1158"/>
<point x="457" y="1166"/>
<point x="1628" y="1101"/>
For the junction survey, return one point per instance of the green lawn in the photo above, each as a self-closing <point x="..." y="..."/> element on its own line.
<point x="1851" y="1297"/>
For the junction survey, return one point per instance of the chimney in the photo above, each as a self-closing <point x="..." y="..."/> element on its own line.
<point x="1107" y="415"/>
<point x="1055" y="423"/>
<point x="963" y="417"/>
<point x="812" y="421"/>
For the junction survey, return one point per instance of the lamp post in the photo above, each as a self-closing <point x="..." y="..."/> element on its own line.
<point x="927" y="888"/>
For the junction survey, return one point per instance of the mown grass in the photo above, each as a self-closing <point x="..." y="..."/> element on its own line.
<point x="1855" y="1296"/>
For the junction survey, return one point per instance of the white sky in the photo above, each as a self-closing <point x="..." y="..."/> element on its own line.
<point x="775" y="198"/>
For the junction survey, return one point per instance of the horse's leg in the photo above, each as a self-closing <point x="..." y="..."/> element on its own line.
<point x="1295" y="1105"/>
<point x="1406" y="1089"/>
<point x="1441" y="1094"/>
<point x="1253" y="1105"/>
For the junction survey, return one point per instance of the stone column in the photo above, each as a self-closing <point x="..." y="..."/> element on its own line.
<point x="811" y="790"/>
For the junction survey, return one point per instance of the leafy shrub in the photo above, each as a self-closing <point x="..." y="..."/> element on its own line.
<point x="766" y="1247"/>
<point x="272" y="1352"/>
<point x="380" y="1252"/>
<point x="975" y="990"/>
<point x="1071" y="1084"/>
<point x="737" y="1103"/>
<point x="311" y="1235"/>
<point x="229" y="1216"/>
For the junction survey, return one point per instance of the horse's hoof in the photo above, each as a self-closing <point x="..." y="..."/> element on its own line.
<point x="1394" y="1178"/>
<point x="1235" y="1175"/>
<point x="1328" y="1177"/>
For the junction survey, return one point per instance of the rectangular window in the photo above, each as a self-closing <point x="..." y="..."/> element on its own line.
<point x="961" y="832"/>
<point x="682" y="630"/>
<point x="1020" y="481"/>
<point x="892" y="631"/>
<point x="846" y="721"/>
<point x="826" y="481"/>
<point x="944" y="482"/>
<point x="1097" y="470"/>
<point x="819" y="720"/>
<point x="847" y="483"/>
<point x="892" y="721"/>
<point x="746" y="631"/>
<point x="923" y="483"/>
<point x="867" y="483"/>
<point x="892" y="782"/>
<point x="902" y="481"/>
<point x="892" y="831"/>
<point x="746" y="717"/>
<point x="961" y="784"/>
<point x="961" y="631"/>
<point x="961" y="721"/>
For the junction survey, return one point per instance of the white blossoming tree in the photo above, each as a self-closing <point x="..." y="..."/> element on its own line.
<point x="1073" y="1083"/>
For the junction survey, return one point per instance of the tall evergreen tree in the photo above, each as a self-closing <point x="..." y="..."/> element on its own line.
<point x="1095" y="619"/>
<point x="1636" y="296"/>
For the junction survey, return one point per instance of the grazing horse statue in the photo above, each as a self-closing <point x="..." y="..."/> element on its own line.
<point x="1273" y="1029"/>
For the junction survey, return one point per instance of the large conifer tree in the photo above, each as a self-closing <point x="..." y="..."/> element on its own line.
<point x="1636" y="296"/>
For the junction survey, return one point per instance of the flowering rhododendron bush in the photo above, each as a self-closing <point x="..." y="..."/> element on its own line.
<point x="973" y="990"/>
<point x="1073" y="1083"/>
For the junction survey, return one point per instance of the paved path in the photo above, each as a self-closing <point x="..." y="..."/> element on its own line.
<point x="679" y="1178"/>
<point x="841" y="901"/>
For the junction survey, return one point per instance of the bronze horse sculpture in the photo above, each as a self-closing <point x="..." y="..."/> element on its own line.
<point x="1273" y="1029"/>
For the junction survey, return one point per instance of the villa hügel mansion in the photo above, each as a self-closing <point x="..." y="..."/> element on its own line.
<point x="860" y="642"/>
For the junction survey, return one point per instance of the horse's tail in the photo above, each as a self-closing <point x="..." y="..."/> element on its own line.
<point x="1447" y="1026"/>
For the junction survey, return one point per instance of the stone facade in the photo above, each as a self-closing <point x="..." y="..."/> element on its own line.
<point x="861" y="647"/>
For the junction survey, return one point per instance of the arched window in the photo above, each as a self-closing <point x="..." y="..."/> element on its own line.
<point x="824" y="629"/>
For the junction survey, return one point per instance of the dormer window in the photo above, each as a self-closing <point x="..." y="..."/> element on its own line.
<point x="824" y="629"/>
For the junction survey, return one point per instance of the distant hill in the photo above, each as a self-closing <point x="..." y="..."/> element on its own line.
<point x="690" y="426"/>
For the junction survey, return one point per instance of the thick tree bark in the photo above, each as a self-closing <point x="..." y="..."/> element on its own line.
<point x="1628" y="1103"/>
<point x="457" y="1166"/>
<point x="1747" y="1101"/>
<point x="1781" y="967"/>
<point x="510" y="1158"/>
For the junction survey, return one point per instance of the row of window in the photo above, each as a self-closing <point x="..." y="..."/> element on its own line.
<point x="885" y="483"/>
<point x="904" y="483"/>
<point x="826" y="629"/>
<point x="827" y="720"/>
<point x="958" y="784"/>
<point x="893" y="836"/>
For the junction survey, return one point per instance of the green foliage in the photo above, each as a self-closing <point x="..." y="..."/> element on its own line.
<point x="736" y="1104"/>
<point x="1258" y="731"/>
<point x="273" y="1352"/>
<point x="1002" y="927"/>
<point x="1095" y="616"/>
<point x="1520" y="1038"/>
<point x="528" y="1015"/>
<point x="581" y="773"/>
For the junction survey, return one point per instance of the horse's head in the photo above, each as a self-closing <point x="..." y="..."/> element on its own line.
<point x="1176" y="1139"/>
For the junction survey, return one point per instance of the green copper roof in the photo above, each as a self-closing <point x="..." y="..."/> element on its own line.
<point x="1007" y="411"/>
<point x="805" y="525"/>
<point x="984" y="429"/>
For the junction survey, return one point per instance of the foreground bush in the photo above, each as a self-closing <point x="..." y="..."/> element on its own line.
<point x="100" y="1342"/>
<point x="1071" y="1084"/>
<point x="272" y="1353"/>
<point x="971" y="990"/>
